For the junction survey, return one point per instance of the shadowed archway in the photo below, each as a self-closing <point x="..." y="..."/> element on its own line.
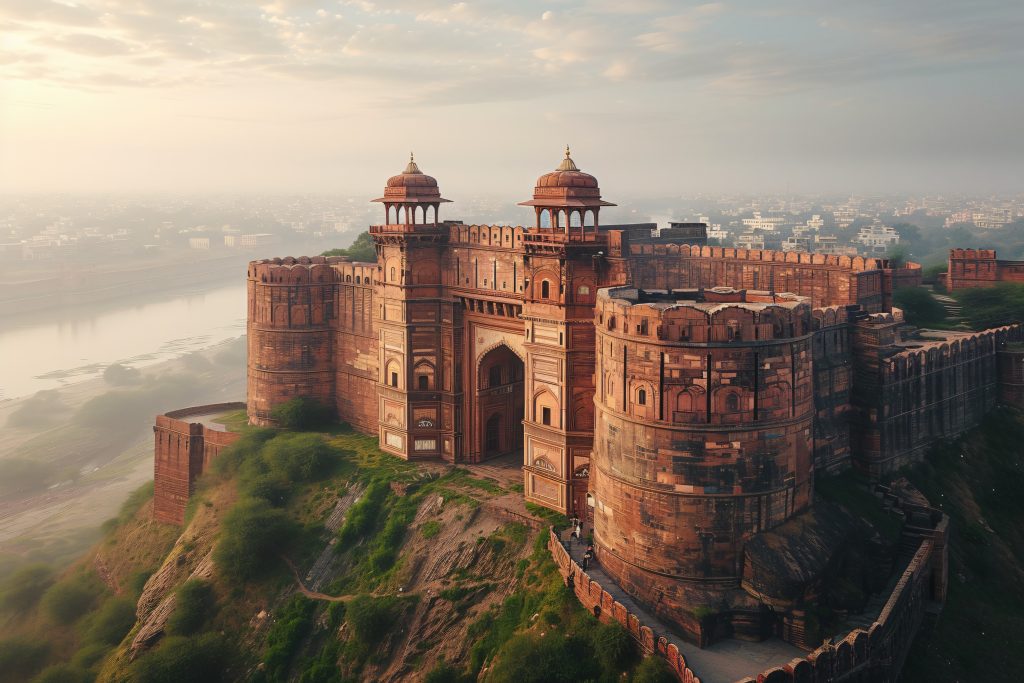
<point x="500" y="403"/>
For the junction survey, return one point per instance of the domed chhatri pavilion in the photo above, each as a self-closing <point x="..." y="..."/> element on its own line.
<point x="678" y="396"/>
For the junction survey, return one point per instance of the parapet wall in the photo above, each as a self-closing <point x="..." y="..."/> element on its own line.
<point x="911" y="393"/>
<point x="971" y="268"/>
<point x="182" y="451"/>
<point x="826" y="279"/>
<point x="601" y="604"/>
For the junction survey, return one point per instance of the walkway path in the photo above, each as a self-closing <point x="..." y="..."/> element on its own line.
<point x="723" y="662"/>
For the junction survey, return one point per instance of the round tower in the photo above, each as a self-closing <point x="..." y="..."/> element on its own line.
<point x="702" y="434"/>
<point x="290" y="350"/>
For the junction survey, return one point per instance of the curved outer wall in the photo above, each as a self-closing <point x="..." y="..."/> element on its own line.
<point x="291" y="302"/>
<point x="682" y="482"/>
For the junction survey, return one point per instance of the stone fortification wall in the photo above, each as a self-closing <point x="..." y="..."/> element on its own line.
<point x="182" y="451"/>
<point x="355" y="352"/>
<point x="833" y="383"/>
<point x="485" y="260"/>
<point x="877" y="654"/>
<point x="290" y="332"/>
<point x="969" y="268"/>
<point x="601" y="604"/>
<point x="827" y="280"/>
<point x="703" y="434"/>
<point x="912" y="392"/>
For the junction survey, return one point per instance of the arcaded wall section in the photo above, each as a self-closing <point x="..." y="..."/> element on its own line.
<point x="703" y="434"/>
<point x="290" y="333"/>
<point x="826" y="280"/>
<point x="913" y="392"/>
<point x="969" y="268"/>
<point x="181" y="452"/>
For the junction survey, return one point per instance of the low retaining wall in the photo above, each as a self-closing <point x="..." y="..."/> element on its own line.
<point x="181" y="452"/>
<point x="600" y="602"/>
<point x="878" y="653"/>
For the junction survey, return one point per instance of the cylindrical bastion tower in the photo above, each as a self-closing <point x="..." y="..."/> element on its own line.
<point x="702" y="435"/>
<point x="291" y="305"/>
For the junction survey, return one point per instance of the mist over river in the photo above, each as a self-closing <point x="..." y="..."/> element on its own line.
<point x="78" y="345"/>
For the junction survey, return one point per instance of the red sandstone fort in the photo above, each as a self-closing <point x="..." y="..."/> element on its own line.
<point x="678" y="396"/>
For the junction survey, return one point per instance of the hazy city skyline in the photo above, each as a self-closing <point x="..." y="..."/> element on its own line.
<point x="654" y="97"/>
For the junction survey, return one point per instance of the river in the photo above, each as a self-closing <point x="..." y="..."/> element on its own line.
<point x="79" y="345"/>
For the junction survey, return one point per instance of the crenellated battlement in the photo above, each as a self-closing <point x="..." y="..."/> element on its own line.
<point x="721" y="314"/>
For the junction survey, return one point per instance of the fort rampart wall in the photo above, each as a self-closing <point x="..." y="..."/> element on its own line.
<point x="877" y="654"/>
<point x="910" y="393"/>
<point x="599" y="602"/>
<point x="826" y="279"/>
<point x="970" y="268"/>
<point x="182" y="451"/>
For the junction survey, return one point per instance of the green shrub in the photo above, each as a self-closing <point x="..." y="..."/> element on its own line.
<point x="253" y="536"/>
<point x="70" y="599"/>
<point x="985" y="307"/>
<point x="919" y="306"/>
<point x="137" y="581"/>
<point x="20" y="659"/>
<point x="194" y="604"/>
<point x="362" y="516"/>
<point x="430" y="529"/>
<point x="371" y="618"/>
<point x="653" y="669"/>
<point x="614" y="646"/>
<point x="532" y="658"/>
<point x="109" y="624"/>
<point x="197" y="660"/>
<point x="444" y="672"/>
<point x="300" y="457"/>
<point x="362" y="250"/>
<point x="291" y="625"/>
<point x="302" y="414"/>
<point x="89" y="655"/>
<point x="63" y="673"/>
<point x="22" y="590"/>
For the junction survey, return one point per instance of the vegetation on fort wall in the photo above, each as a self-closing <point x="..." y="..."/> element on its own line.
<point x="977" y="481"/>
<point x="302" y="414"/>
<point x="362" y="250"/>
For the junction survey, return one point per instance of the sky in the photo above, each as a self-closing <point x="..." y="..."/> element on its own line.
<point x="655" y="97"/>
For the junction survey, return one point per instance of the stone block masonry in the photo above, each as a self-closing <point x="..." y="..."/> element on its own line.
<point x="182" y="451"/>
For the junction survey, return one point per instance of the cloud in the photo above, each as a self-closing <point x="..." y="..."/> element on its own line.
<point x="410" y="51"/>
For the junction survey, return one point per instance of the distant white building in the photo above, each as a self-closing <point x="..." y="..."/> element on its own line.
<point x="198" y="242"/>
<point x="765" y="223"/>
<point x="750" y="240"/>
<point x="249" y="240"/>
<point x="877" y="238"/>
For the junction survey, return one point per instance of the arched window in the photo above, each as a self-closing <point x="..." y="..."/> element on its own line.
<point x="424" y="382"/>
<point x="392" y="273"/>
<point x="732" y="402"/>
<point x="641" y="397"/>
<point x="545" y="289"/>
<point x="494" y="376"/>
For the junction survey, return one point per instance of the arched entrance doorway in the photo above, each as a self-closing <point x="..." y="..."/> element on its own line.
<point x="500" y="403"/>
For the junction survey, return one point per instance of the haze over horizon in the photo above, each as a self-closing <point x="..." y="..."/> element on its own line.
<point x="654" y="97"/>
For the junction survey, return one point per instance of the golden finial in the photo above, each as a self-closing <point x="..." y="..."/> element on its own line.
<point x="567" y="163"/>
<point x="411" y="167"/>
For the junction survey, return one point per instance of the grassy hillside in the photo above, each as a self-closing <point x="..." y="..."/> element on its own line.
<point x="978" y="481"/>
<point x="315" y="557"/>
